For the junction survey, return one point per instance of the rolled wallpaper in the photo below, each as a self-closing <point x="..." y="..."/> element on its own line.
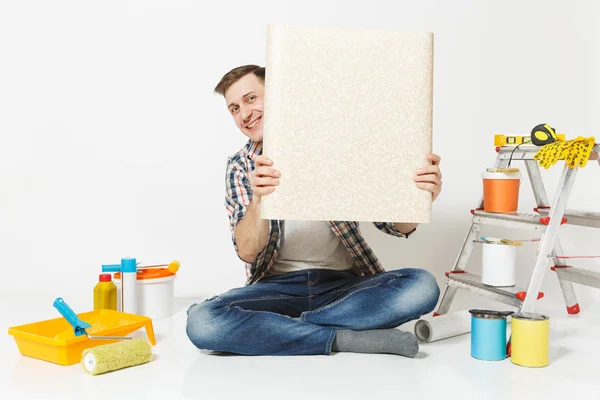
<point x="431" y="329"/>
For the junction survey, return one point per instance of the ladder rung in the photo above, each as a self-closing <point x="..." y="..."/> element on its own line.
<point x="580" y="276"/>
<point x="512" y="295"/>
<point x="511" y="220"/>
<point x="576" y="217"/>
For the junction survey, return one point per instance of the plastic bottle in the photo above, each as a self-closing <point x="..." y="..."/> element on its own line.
<point x="105" y="293"/>
<point x="129" y="285"/>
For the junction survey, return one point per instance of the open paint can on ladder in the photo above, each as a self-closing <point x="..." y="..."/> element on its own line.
<point x="529" y="339"/>
<point x="498" y="264"/>
<point x="501" y="191"/>
<point x="155" y="292"/>
<point x="488" y="334"/>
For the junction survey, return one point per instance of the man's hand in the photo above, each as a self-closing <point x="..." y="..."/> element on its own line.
<point x="264" y="178"/>
<point x="252" y="233"/>
<point x="430" y="177"/>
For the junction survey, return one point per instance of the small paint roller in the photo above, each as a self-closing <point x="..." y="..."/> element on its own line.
<point x="115" y="356"/>
<point x="430" y="329"/>
<point x="173" y="266"/>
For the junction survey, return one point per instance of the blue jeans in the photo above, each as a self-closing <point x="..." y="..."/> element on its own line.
<point x="298" y="313"/>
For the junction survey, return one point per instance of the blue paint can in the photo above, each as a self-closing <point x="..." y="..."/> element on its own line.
<point x="488" y="334"/>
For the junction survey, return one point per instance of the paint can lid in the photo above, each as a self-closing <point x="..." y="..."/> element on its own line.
<point x="150" y="273"/>
<point x="501" y="175"/>
<point x="490" y="314"/>
<point x="530" y="316"/>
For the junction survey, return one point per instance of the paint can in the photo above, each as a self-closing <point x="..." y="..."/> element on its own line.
<point x="155" y="292"/>
<point x="488" y="334"/>
<point x="529" y="339"/>
<point x="501" y="191"/>
<point x="498" y="264"/>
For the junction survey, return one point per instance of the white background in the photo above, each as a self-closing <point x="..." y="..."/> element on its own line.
<point x="113" y="144"/>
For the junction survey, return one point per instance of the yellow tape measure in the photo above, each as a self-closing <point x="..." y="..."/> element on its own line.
<point x="543" y="134"/>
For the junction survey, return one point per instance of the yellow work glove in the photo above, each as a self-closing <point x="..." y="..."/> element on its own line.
<point x="575" y="152"/>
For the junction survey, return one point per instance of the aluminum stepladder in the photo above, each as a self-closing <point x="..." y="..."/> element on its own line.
<point x="547" y="219"/>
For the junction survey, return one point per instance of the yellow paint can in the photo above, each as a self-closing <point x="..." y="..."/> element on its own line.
<point x="529" y="339"/>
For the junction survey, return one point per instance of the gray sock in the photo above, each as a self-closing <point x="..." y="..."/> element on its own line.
<point x="390" y="341"/>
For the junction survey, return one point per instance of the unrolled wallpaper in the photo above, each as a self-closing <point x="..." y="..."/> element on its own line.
<point x="348" y="121"/>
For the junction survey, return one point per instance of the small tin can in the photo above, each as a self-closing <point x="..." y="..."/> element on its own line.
<point x="488" y="334"/>
<point x="529" y="339"/>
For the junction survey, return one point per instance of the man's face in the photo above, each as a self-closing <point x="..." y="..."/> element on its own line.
<point x="245" y="103"/>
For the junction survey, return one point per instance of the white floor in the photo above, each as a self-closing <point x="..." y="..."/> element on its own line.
<point x="180" y="371"/>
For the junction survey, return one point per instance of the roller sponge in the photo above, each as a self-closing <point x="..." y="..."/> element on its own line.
<point x="114" y="356"/>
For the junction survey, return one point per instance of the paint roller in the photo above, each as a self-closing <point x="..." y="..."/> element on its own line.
<point x="109" y="357"/>
<point x="173" y="266"/>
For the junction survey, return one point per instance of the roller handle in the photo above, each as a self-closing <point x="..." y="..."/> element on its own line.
<point x="111" y="267"/>
<point x="71" y="317"/>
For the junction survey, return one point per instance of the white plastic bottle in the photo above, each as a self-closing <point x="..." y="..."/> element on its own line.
<point x="129" y="285"/>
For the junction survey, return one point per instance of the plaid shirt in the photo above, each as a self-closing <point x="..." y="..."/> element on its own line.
<point x="238" y="197"/>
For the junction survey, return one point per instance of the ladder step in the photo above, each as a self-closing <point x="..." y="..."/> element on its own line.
<point x="511" y="220"/>
<point x="580" y="276"/>
<point x="576" y="217"/>
<point x="511" y="295"/>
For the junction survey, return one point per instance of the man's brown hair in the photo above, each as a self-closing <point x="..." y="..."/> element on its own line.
<point x="237" y="73"/>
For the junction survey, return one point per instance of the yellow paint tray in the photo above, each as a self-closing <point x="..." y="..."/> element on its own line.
<point x="54" y="340"/>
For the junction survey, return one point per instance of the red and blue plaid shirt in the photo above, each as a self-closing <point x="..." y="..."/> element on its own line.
<point x="237" y="199"/>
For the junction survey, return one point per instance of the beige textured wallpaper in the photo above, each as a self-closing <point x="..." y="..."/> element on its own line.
<point x="348" y="121"/>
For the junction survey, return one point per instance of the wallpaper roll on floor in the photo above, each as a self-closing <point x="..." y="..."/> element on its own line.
<point x="431" y="329"/>
<point x="347" y="121"/>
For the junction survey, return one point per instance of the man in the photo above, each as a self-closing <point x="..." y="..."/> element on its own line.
<point x="314" y="287"/>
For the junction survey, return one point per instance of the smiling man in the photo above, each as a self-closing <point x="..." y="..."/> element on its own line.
<point x="313" y="287"/>
<point x="245" y="101"/>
